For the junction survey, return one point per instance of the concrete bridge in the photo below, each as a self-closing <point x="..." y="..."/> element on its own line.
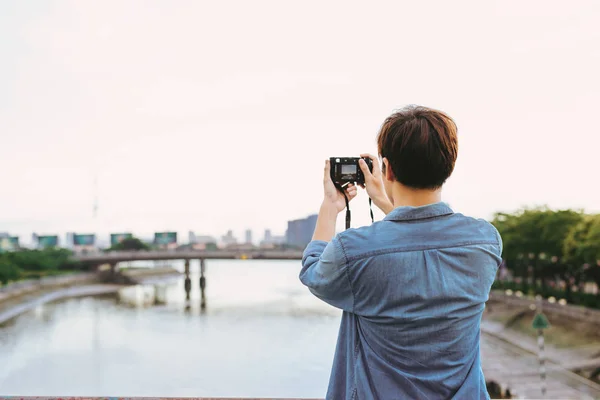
<point x="113" y="258"/>
<point x="120" y="256"/>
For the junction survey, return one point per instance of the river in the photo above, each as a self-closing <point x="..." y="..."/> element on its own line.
<point x="262" y="334"/>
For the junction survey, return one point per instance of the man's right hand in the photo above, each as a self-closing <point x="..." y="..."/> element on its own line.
<point x="374" y="184"/>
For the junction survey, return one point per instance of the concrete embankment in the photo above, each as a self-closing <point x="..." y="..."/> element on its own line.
<point x="20" y="297"/>
<point x="7" y="313"/>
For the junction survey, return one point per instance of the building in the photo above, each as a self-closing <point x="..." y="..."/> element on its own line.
<point x="300" y="231"/>
<point x="8" y="243"/>
<point x="202" y="242"/>
<point x="248" y="236"/>
<point x="69" y="243"/>
<point x="202" y="239"/>
<point x="276" y="241"/>
<point x="81" y="243"/>
<point x="269" y="241"/>
<point x="267" y="238"/>
<point x="228" y="239"/>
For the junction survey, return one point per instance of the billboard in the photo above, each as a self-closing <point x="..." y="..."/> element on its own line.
<point x="47" y="241"/>
<point x="9" y="243"/>
<point x="165" y="238"/>
<point x="116" y="238"/>
<point x="84" y="240"/>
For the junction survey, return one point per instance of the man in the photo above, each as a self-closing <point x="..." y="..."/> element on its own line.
<point x="412" y="287"/>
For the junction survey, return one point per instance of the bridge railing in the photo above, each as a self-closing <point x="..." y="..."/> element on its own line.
<point x="173" y="254"/>
<point x="150" y="398"/>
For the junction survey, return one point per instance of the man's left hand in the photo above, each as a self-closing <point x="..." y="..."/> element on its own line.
<point x="333" y="197"/>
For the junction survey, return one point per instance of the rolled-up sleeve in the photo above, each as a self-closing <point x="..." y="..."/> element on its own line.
<point x="325" y="273"/>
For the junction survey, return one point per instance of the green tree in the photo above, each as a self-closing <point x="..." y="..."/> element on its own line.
<point x="582" y="249"/>
<point x="130" y="244"/>
<point x="8" y="271"/>
<point x="42" y="260"/>
<point x="533" y="241"/>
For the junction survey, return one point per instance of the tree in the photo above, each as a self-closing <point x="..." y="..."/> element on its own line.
<point x="582" y="249"/>
<point x="8" y="271"/>
<point x="533" y="241"/>
<point x="130" y="244"/>
<point x="42" y="260"/>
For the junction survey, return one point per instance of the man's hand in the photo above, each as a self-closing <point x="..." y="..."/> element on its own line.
<point x="333" y="197"/>
<point x="374" y="184"/>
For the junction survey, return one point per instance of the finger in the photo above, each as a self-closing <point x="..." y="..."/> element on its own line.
<point x="351" y="195"/>
<point x="326" y="172"/>
<point x="365" y="169"/>
<point x="375" y="161"/>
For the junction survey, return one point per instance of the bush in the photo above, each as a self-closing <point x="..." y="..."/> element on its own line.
<point x="8" y="271"/>
<point x="32" y="264"/>
<point x="576" y="298"/>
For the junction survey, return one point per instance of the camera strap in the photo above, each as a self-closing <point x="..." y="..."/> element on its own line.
<point x="348" y="216"/>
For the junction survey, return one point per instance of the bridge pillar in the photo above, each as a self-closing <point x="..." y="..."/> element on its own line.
<point x="188" y="281"/>
<point x="202" y="284"/>
<point x="187" y="267"/>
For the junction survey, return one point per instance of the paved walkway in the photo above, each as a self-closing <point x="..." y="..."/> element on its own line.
<point x="510" y="358"/>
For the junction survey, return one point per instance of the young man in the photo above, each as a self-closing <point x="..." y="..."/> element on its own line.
<point x="413" y="286"/>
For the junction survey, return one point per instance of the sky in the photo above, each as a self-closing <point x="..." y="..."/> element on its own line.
<point x="217" y="115"/>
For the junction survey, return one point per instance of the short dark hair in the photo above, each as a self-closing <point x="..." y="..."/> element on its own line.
<point x="421" y="146"/>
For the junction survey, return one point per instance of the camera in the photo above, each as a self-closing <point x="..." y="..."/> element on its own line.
<point x="346" y="169"/>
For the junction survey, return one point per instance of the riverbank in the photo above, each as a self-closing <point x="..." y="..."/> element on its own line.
<point x="20" y="297"/>
<point x="8" y="312"/>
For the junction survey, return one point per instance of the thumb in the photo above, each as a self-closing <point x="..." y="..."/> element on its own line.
<point x="327" y="171"/>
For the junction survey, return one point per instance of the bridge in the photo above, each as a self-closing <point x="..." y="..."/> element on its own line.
<point x="121" y="256"/>
<point x="115" y="257"/>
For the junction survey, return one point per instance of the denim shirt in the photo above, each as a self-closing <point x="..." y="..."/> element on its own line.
<point x="412" y="289"/>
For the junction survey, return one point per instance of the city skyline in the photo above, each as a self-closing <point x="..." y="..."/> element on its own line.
<point x="246" y="236"/>
<point x="167" y="118"/>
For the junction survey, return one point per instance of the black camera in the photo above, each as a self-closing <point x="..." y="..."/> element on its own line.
<point x="346" y="169"/>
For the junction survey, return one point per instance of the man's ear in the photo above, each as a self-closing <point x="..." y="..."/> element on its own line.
<point x="386" y="169"/>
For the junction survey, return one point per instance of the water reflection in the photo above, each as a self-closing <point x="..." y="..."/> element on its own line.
<point x="256" y="332"/>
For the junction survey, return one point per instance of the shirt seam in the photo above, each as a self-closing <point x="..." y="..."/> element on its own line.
<point x="417" y="217"/>
<point x="499" y="238"/>
<point x="346" y="271"/>
<point x="415" y="248"/>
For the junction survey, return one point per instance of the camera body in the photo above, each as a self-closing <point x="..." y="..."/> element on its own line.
<point x="346" y="169"/>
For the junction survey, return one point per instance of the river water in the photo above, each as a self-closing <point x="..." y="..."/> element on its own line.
<point x="262" y="334"/>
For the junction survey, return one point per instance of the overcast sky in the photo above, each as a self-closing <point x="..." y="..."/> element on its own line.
<point x="209" y="116"/>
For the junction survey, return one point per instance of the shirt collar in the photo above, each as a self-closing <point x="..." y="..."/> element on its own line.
<point x="408" y="213"/>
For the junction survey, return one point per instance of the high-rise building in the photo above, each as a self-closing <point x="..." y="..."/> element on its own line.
<point x="248" y="236"/>
<point x="69" y="243"/>
<point x="267" y="238"/>
<point x="300" y="231"/>
<point x="228" y="238"/>
<point x="271" y="241"/>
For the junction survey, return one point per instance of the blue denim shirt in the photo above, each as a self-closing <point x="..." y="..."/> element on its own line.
<point x="412" y="289"/>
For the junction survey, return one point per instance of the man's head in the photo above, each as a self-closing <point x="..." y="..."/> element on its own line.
<point x="418" y="147"/>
